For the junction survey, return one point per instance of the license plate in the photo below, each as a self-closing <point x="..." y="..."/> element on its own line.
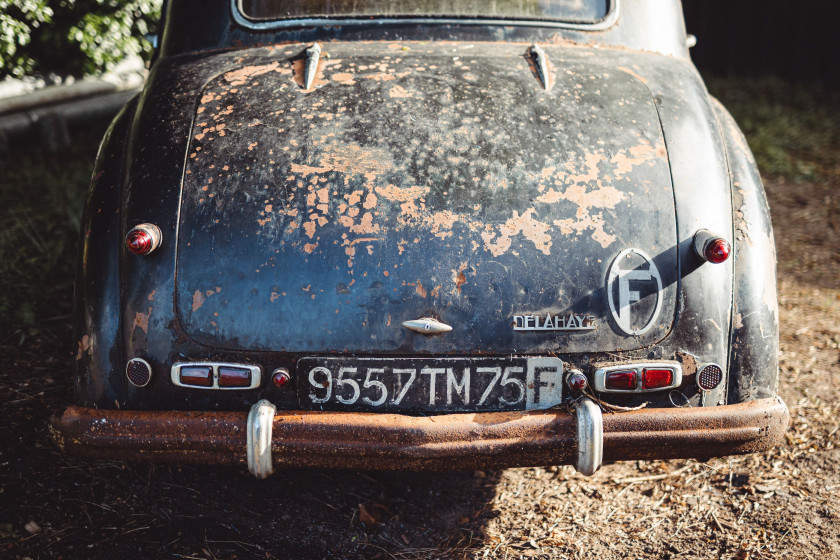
<point x="429" y="384"/>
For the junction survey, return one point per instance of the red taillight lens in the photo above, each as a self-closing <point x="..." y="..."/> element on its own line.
<point x="198" y="376"/>
<point x="717" y="250"/>
<point x="711" y="247"/>
<point x="621" y="380"/>
<point x="280" y="377"/>
<point x="234" y="377"/>
<point x="143" y="239"/>
<point x="577" y="381"/>
<point x="657" y="378"/>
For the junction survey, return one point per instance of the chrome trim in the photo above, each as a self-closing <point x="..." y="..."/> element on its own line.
<point x="258" y="452"/>
<point x="175" y="375"/>
<point x="427" y="325"/>
<point x="601" y="374"/>
<point x="541" y="60"/>
<point x="239" y="17"/>
<point x="313" y="56"/>
<point x="590" y="437"/>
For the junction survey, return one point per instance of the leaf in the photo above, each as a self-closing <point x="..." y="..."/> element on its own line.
<point x="369" y="516"/>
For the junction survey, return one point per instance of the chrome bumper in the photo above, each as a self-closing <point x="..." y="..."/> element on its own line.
<point x="397" y="442"/>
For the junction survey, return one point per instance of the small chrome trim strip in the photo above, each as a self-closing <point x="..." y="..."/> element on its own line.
<point x="313" y="56"/>
<point x="601" y="375"/>
<point x="541" y="60"/>
<point x="258" y="452"/>
<point x="256" y="375"/>
<point x="238" y="16"/>
<point x="590" y="437"/>
<point x="427" y="325"/>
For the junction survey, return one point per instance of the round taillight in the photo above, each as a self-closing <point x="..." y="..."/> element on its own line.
<point x="717" y="250"/>
<point x="139" y="372"/>
<point x="280" y="377"/>
<point x="710" y="247"/>
<point x="710" y="377"/>
<point x="576" y="381"/>
<point x="143" y="239"/>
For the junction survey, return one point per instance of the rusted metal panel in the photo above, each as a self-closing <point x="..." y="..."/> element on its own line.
<point x="318" y="220"/>
<point x="396" y="442"/>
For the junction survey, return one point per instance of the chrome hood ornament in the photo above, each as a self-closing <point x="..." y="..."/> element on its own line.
<point x="427" y="325"/>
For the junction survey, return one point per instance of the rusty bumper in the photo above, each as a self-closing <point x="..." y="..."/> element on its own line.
<point x="397" y="442"/>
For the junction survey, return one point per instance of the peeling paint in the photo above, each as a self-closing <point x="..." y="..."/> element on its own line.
<point x="197" y="300"/>
<point x="242" y="75"/>
<point x="84" y="346"/>
<point x="141" y="320"/>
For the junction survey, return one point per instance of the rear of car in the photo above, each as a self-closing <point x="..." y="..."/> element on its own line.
<point x="410" y="254"/>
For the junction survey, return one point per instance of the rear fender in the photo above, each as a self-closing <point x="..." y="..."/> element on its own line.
<point x="753" y="357"/>
<point x="98" y="355"/>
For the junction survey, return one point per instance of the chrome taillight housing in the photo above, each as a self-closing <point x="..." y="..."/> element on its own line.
<point x="637" y="377"/>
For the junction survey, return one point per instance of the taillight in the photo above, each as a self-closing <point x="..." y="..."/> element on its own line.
<point x="710" y="247"/>
<point x="621" y="380"/>
<point x="657" y="378"/>
<point x="637" y="377"/>
<point x="143" y="239"/>
<point x="576" y="381"/>
<point x="234" y="377"/>
<point x="280" y="377"/>
<point x="216" y="375"/>
<point x="197" y="376"/>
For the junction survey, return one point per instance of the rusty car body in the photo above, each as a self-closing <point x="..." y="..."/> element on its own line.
<point x="416" y="240"/>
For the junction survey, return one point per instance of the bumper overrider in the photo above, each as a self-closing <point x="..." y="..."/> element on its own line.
<point x="266" y="438"/>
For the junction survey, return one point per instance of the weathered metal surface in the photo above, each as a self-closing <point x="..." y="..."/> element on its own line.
<point x="151" y="190"/>
<point x="395" y="442"/>
<point x="753" y="358"/>
<point x="613" y="89"/>
<point x="320" y="221"/>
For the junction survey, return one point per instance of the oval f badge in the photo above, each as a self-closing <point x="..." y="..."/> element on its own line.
<point x="634" y="291"/>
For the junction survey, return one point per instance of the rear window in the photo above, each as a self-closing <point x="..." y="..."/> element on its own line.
<point x="572" y="11"/>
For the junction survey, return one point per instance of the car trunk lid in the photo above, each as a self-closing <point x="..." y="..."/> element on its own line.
<point x="413" y="185"/>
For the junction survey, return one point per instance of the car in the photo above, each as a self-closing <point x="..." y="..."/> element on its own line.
<point x="413" y="236"/>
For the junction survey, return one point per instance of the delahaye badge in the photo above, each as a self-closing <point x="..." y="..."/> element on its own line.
<point x="549" y="322"/>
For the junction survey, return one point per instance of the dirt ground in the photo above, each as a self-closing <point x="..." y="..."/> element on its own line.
<point x="784" y="504"/>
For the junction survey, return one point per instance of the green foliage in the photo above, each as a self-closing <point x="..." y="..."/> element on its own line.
<point x="41" y="200"/>
<point x="73" y="37"/>
<point x="793" y="129"/>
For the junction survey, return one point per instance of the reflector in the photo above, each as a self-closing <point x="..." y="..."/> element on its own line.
<point x="710" y="377"/>
<point x="139" y="372"/>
